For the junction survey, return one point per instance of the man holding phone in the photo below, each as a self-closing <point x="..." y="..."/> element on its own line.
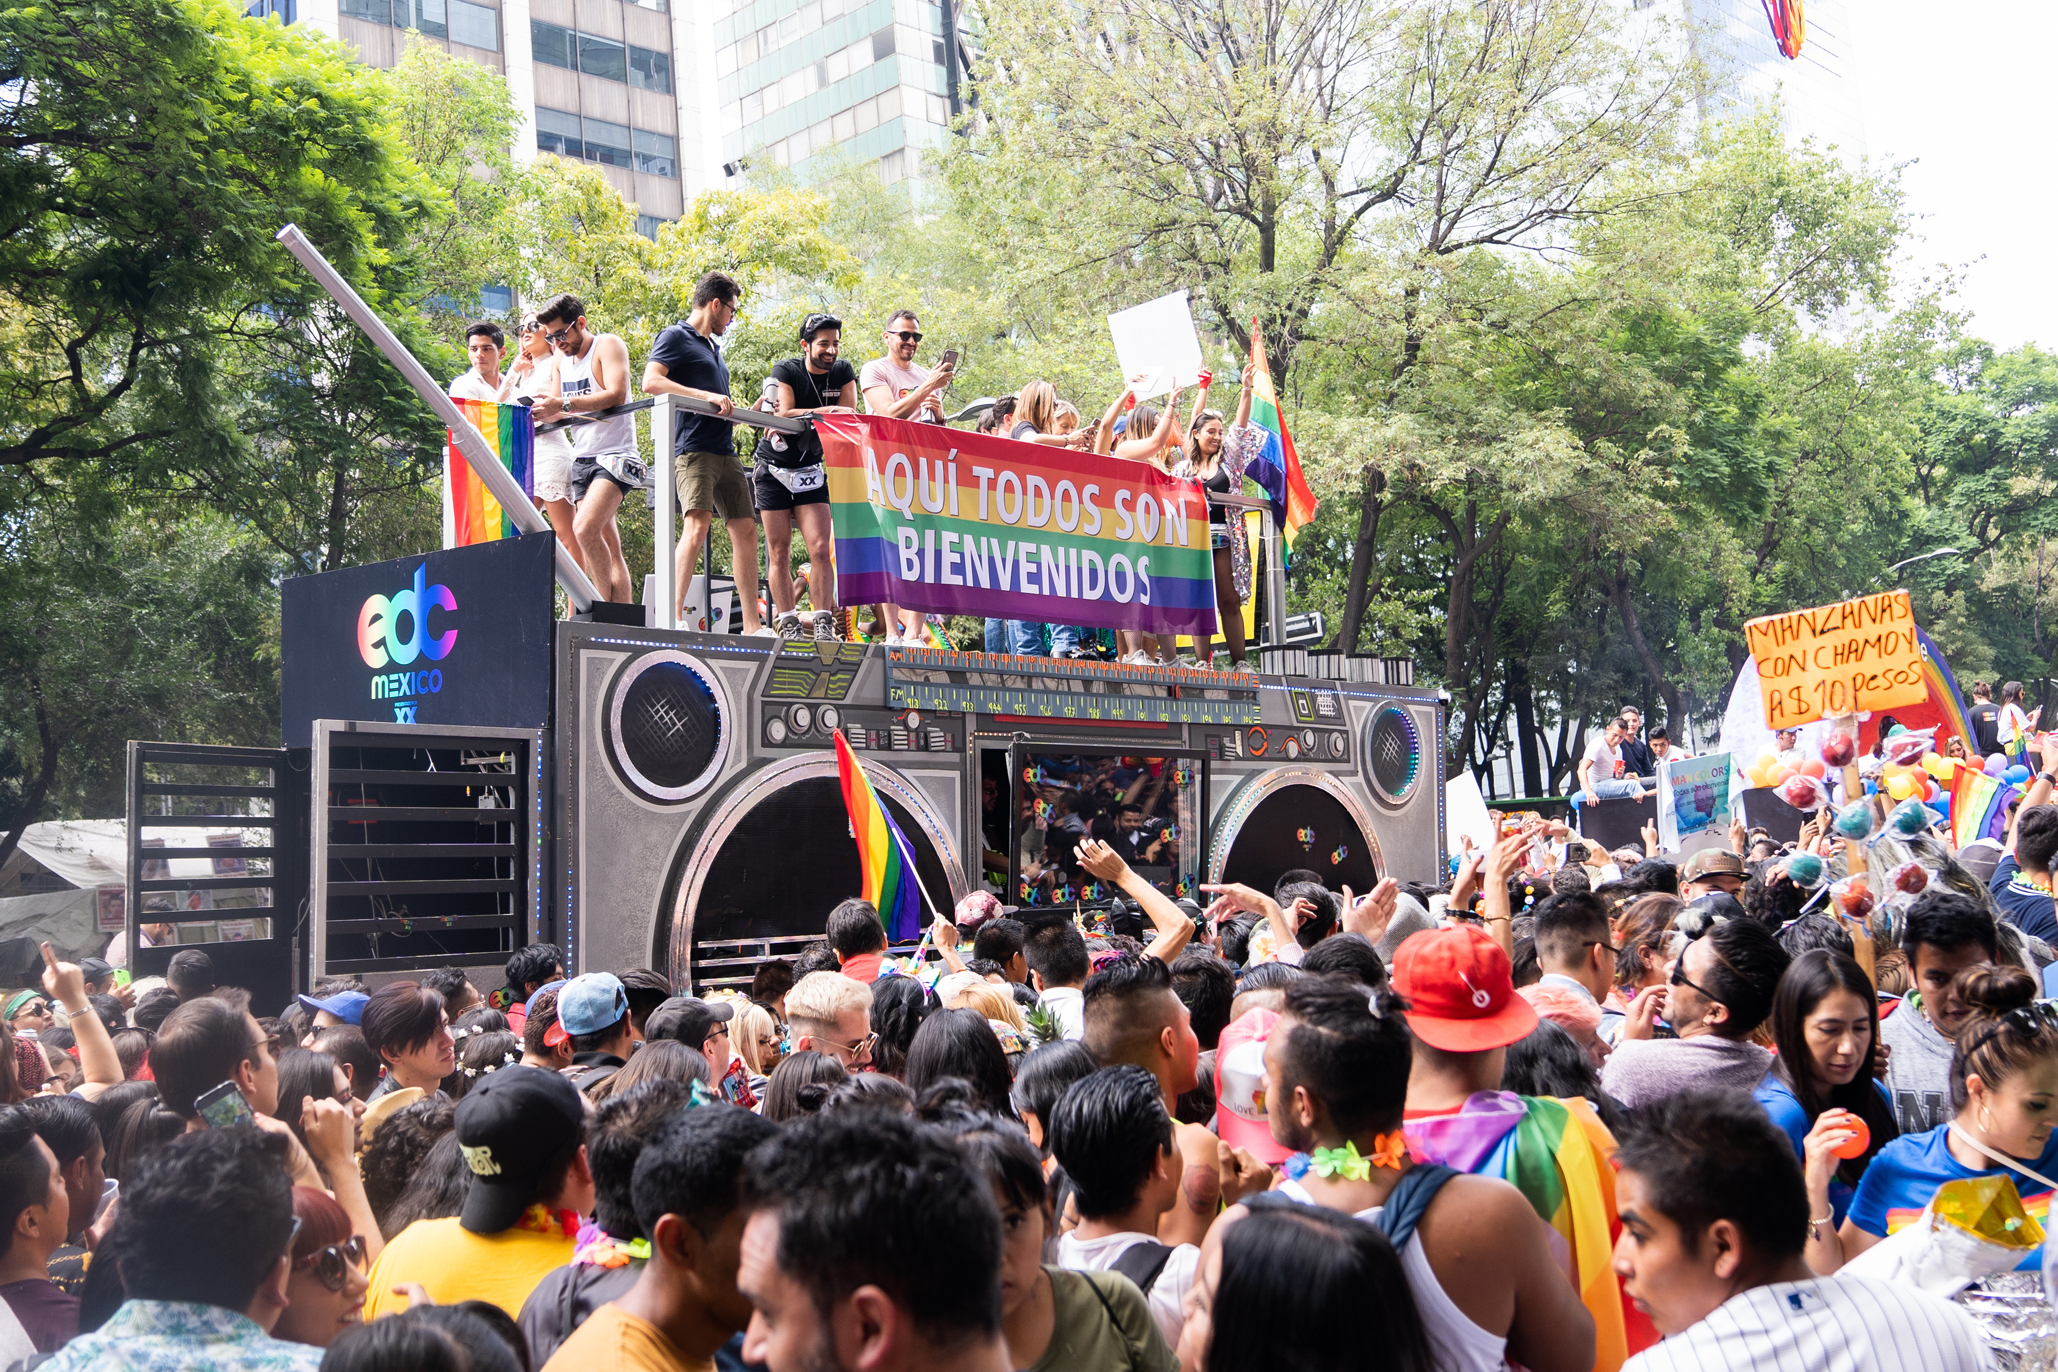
<point x="898" y="389"/>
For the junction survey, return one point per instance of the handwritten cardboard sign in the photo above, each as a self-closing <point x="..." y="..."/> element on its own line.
<point x="1836" y="659"/>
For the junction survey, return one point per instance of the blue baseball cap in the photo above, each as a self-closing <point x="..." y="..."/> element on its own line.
<point x="591" y="1003"/>
<point x="529" y="1005"/>
<point x="347" y="1006"/>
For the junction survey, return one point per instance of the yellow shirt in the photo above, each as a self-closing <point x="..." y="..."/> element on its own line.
<point x="453" y="1264"/>
<point x="613" y="1340"/>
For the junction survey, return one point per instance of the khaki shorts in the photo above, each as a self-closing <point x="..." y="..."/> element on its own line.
<point x="714" y="481"/>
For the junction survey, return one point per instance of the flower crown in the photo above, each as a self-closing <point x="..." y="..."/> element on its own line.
<point x="507" y="1060"/>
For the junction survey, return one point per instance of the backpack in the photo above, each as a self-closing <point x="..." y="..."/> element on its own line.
<point x="1142" y="1262"/>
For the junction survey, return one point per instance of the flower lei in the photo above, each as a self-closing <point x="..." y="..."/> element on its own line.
<point x="595" y="1247"/>
<point x="541" y="1219"/>
<point x="1388" y="1150"/>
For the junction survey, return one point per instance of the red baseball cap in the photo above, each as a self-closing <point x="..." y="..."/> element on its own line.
<point x="1460" y="989"/>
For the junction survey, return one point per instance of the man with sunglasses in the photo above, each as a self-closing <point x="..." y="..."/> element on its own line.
<point x="685" y="360"/>
<point x="593" y="375"/>
<point x="832" y="1013"/>
<point x="1720" y="990"/>
<point x="894" y="386"/>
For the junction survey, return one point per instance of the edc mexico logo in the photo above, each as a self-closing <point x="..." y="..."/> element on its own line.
<point x="379" y="642"/>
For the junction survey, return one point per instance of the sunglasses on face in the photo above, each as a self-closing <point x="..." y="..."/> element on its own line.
<point x="904" y="335"/>
<point x="331" y="1265"/>
<point x="34" y="1007"/>
<point x="558" y="335"/>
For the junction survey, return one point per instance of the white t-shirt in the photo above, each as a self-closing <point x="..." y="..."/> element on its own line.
<point x="1067" y="1004"/>
<point x="900" y="382"/>
<point x="1828" y="1324"/>
<point x="469" y="385"/>
<point x="1607" y="762"/>
<point x="1167" y="1295"/>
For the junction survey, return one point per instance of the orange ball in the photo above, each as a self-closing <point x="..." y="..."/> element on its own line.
<point x="1778" y="774"/>
<point x="1853" y="1147"/>
<point x="1813" y="767"/>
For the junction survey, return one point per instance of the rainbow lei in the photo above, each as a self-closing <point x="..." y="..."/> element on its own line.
<point x="595" y="1247"/>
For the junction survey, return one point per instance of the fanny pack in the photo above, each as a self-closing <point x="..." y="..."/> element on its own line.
<point x="625" y="468"/>
<point x="797" y="479"/>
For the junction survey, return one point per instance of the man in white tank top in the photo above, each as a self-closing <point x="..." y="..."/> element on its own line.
<point x="593" y="375"/>
<point x="1479" y="1263"/>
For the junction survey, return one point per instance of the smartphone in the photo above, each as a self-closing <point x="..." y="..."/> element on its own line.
<point x="224" y="1106"/>
<point x="121" y="976"/>
<point x="950" y="357"/>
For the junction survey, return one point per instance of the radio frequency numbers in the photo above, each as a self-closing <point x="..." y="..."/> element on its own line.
<point x="1048" y="705"/>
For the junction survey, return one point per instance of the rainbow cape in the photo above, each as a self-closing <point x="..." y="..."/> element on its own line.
<point x="1277" y="467"/>
<point x="1554" y="1152"/>
<point x="511" y="434"/>
<point x="887" y="881"/>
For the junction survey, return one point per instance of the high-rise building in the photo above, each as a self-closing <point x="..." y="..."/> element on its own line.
<point x="794" y="78"/>
<point x="605" y="81"/>
<point x="1818" y="90"/>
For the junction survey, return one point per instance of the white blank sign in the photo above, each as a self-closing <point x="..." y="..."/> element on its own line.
<point x="1156" y="340"/>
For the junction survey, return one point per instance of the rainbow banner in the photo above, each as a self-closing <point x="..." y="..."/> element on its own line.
<point x="948" y="522"/>
<point x="1277" y="467"/>
<point x="511" y="434"/>
<point x="887" y="882"/>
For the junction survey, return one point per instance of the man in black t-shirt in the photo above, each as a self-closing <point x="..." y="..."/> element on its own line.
<point x="790" y="486"/>
<point x="1983" y="717"/>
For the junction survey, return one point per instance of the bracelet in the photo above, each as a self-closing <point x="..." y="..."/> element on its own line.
<point x="1814" y="1233"/>
<point x="1498" y="919"/>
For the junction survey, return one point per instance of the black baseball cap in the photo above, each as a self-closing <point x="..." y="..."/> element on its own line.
<point x="687" y="1020"/>
<point x="815" y="323"/>
<point x="510" y="1127"/>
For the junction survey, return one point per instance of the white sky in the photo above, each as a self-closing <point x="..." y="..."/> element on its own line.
<point x="1958" y="88"/>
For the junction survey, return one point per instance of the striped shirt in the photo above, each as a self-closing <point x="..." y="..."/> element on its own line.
<point x="1826" y="1324"/>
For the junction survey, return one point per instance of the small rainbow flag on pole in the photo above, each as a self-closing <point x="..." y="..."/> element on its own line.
<point x="511" y="434"/>
<point x="1278" y="466"/>
<point x="888" y="876"/>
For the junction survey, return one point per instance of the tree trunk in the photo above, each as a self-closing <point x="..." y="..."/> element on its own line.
<point x="1625" y="607"/>
<point x="1363" y="586"/>
<point x="1524" y="697"/>
<point x="39" y="789"/>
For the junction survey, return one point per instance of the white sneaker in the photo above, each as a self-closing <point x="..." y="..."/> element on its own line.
<point x="761" y="631"/>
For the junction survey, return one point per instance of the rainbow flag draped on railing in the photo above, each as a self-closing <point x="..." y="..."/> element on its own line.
<point x="511" y="434"/>
<point x="888" y="879"/>
<point x="1277" y="467"/>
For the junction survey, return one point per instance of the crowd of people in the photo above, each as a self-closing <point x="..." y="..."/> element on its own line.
<point x="1569" y="1111"/>
<point x="584" y="467"/>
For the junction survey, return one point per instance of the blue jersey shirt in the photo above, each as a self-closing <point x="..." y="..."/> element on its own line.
<point x="1907" y="1172"/>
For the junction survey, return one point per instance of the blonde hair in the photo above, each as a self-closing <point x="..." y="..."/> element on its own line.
<point x="991" y="1000"/>
<point x="1066" y="410"/>
<point x="819" y="997"/>
<point x="1037" y="405"/>
<point x="753" y="1022"/>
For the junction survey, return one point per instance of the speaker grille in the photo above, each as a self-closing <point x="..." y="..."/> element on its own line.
<point x="1393" y="752"/>
<point x="667" y="727"/>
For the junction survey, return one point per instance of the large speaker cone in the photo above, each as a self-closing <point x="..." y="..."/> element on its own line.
<point x="666" y="726"/>
<point x="1393" y="754"/>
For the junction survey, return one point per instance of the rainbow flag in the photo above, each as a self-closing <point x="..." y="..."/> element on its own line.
<point x="1278" y="466"/>
<point x="511" y="434"/>
<point x="887" y="881"/>
<point x="1553" y="1155"/>
<point x="1943" y="691"/>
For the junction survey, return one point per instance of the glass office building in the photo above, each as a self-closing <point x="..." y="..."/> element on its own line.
<point x="1818" y="90"/>
<point x="597" y="80"/>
